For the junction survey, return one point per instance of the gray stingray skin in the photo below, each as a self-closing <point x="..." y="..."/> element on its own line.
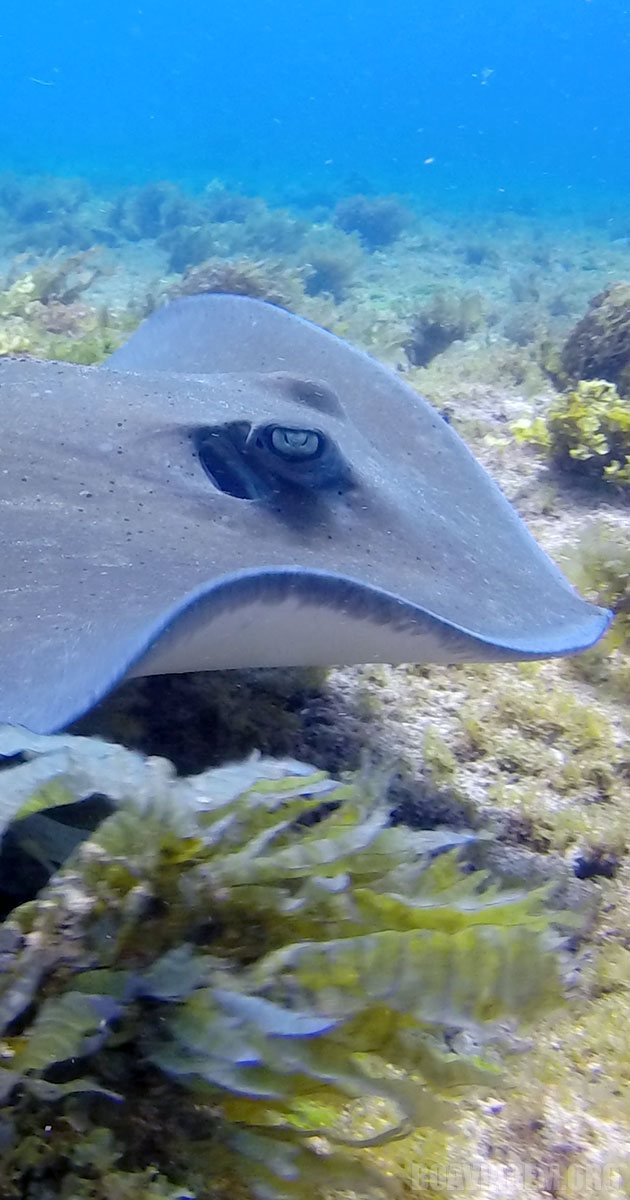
<point x="120" y="556"/>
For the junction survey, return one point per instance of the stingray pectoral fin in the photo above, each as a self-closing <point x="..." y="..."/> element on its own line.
<point x="273" y="617"/>
<point x="135" y="538"/>
<point x="288" y="617"/>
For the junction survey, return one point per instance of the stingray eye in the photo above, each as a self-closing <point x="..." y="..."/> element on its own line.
<point x="295" y="444"/>
<point x="300" y="457"/>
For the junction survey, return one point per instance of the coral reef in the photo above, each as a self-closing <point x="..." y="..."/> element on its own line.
<point x="585" y="431"/>
<point x="250" y="961"/>
<point x="599" y="346"/>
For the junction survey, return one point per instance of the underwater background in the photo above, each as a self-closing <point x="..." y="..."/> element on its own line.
<point x="447" y="186"/>
<point x="450" y="99"/>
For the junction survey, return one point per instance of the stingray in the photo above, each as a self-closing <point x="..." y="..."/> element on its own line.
<point x="236" y="488"/>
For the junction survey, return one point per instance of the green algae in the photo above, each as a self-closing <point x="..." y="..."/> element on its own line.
<point x="601" y="568"/>
<point x="549" y="762"/>
<point x="586" y="432"/>
<point x="554" y="760"/>
<point x="221" y="996"/>
<point x="563" y="1123"/>
<point x="43" y="312"/>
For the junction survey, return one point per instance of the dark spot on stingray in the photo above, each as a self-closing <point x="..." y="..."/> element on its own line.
<point x="315" y="396"/>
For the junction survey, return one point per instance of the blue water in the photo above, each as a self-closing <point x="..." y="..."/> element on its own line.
<point x="516" y="101"/>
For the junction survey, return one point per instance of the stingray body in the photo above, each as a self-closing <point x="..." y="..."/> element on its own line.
<point x="239" y="488"/>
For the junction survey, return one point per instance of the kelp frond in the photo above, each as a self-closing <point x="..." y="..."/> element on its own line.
<point x="241" y="957"/>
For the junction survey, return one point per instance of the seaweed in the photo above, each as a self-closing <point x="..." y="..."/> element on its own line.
<point x="378" y="220"/>
<point x="221" y="715"/>
<point x="246" y="983"/>
<point x="150" y="210"/>
<point x="555" y="763"/>
<point x="601" y="569"/>
<point x="267" y="279"/>
<point x="480" y="253"/>
<point x="449" y="317"/>
<point x="32" y="200"/>
<point x="223" y="205"/>
<point x="331" y="265"/>
<point x="187" y="245"/>
<point x="50" y="214"/>
<point x="58" y="279"/>
<point x="270" y="230"/>
<point x="43" y="311"/>
<point x="225" y="223"/>
<point x="586" y="431"/>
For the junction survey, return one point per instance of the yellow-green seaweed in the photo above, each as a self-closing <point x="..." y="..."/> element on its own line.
<point x="585" y="431"/>
<point x="243" y="983"/>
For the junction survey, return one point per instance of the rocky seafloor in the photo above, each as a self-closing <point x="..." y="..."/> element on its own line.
<point x="475" y="310"/>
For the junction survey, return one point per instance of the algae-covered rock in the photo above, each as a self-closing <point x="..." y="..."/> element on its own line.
<point x="599" y="346"/>
<point x="201" y="719"/>
<point x="266" y="279"/>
